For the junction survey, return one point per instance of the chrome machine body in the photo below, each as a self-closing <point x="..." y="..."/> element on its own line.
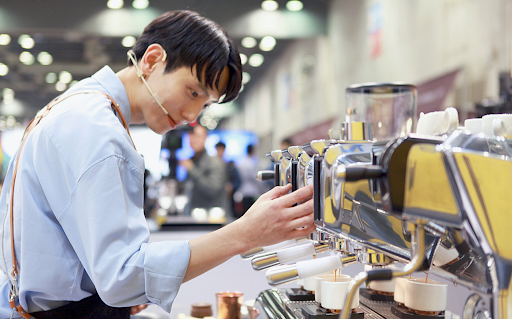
<point x="409" y="200"/>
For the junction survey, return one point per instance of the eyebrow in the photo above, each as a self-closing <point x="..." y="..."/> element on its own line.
<point x="203" y="87"/>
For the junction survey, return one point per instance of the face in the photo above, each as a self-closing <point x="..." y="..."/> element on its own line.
<point x="198" y="138"/>
<point x="181" y="94"/>
<point x="220" y="151"/>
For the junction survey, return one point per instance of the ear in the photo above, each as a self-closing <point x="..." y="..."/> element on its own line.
<point x="154" y="54"/>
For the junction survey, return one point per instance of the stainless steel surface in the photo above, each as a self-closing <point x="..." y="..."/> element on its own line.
<point x="435" y="195"/>
<point x="275" y="304"/>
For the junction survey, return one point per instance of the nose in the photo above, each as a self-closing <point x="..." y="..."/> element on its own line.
<point x="192" y="111"/>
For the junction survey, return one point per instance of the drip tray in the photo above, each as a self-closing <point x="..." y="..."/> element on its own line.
<point x="316" y="312"/>
<point x="404" y="313"/>
<point x="298" y="294"/>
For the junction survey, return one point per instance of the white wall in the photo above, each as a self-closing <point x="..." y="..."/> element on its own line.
<point x="420" y="40"/>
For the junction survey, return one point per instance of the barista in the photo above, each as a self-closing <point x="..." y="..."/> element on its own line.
<point x="80" y="236"/>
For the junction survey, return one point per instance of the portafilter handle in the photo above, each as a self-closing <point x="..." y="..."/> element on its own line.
<point x="265" y="175"/>
<point x="303" y="269"/>
<point x="354" y="173"/>
<point x="266" y="249"/>
<point x="287" y="255"/>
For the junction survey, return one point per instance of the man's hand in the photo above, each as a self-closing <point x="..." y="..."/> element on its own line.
<point x="136" y="309"/>
<point x="273" y="218"/>
<point x="188" y="164"/>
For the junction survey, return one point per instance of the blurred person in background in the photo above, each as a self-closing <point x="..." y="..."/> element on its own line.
<point x="80" y="243"/>
<point x="207" y="175"/>
<point x="233" y="183"/>
<point x="250" y="188"/>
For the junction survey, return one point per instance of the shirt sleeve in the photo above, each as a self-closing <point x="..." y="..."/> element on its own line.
<point x="107" y="229"/>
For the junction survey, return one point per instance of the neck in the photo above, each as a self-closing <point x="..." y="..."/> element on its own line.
<point x="132" y="84"/>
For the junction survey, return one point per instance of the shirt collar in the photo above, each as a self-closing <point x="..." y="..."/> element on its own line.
<point x="115" y="88"/>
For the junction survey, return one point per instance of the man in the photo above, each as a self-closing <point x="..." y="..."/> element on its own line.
<point x="207" y="174"/>
<point x="250" y="188"/>
<point x="233" y="176"/>
<point x="80" y="236"/>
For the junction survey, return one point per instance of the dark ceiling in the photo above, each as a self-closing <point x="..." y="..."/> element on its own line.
<point x="82" y="36"/>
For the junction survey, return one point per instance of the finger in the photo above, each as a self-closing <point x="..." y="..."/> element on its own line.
<point x="300" y="210"/>
<point x="277" y="192"/>
<point x="306" y="220"/>
<point x="302" y="232"/>
<point x="297" y="196"/>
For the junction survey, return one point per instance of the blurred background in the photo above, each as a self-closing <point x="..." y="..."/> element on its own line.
<point x="299" y="57"/>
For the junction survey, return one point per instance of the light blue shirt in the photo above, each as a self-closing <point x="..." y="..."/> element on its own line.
<point x="78" y="211"/>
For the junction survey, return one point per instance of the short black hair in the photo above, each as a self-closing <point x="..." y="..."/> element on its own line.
<point x="250" y="149"/>
<point x="220" y="144"/>
<point x="193" y="40"/>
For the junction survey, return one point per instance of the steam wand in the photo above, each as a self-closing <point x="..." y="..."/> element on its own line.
<point x="418" y="250"/>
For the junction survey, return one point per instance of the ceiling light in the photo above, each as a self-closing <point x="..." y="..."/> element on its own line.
<point x="249" y="42"/>
<point x="22" y="37"/>
<point x="256" y="60"/>
<point x="294" y="5"/>
<point x="73" y="83"/>
<point x="140" y="4"/>
<point x="269" y="5"/>
<point x="8" y="94"/>
<point x="27" y="58"/>
<point x="243" y="58"/>
<point x="5" y="39"/>
<point x="128" y="41"/>
<point x="60" y="86"/>
<point x="50" y="77"/>
<point x="212" y="125"/>
<point x="4" y="69"/>
<point x="65" y="77"/>
<point x="26" y="41"/>
<point x="115" y="4"/>
<point x="267" y="43"/>
<point x="45" y="58"/>
<point x="246" y="77"/>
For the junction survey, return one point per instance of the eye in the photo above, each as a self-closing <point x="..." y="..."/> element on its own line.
<point x="205" y="106"/>
<point x="194" y="94"/>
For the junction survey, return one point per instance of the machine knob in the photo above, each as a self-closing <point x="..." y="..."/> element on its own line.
<point x="354" y="173"/>
<point x="265" y="175"/>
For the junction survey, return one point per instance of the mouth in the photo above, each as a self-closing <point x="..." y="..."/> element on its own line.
<point x="171" y="122"/>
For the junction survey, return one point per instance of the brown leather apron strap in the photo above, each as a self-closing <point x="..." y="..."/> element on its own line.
<point x="42" y="113"/>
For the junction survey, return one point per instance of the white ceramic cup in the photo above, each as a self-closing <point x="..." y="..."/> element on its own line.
<point x="439" y="122"/>
<point x="425" y="296"/>
<point x="310" y="282"/>
<point x="319" y="279"/>
<point x="381" y="285"/>
<point x="335" y="292"/>
<point x="497" y="125"/>
<point x="400" y="284"/>
<point x="474" y="125"/>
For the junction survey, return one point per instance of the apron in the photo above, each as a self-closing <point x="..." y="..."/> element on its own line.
<point x="91" y="307"/>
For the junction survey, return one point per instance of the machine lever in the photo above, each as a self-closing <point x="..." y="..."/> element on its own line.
<point x="354" y="173"/>
<point x="265" y="175"/>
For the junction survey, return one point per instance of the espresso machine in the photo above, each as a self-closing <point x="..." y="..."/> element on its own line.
<point x="384" y="195"/>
